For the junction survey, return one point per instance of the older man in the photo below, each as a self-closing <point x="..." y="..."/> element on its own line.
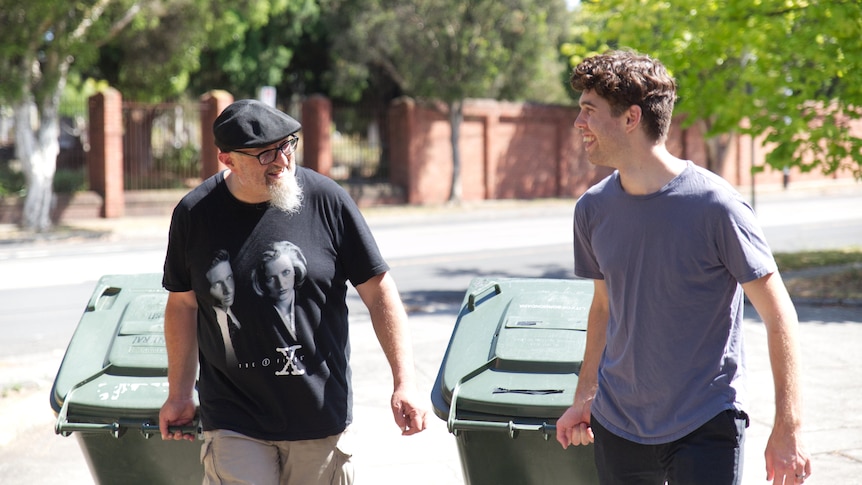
<point x="263" y="425"/>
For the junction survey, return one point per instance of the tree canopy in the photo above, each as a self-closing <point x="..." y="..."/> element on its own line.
<point x="150" y="50"/>
<point x="779" y="68"/>
<point x="39" y="42"/>
<point x="451" y="50"/>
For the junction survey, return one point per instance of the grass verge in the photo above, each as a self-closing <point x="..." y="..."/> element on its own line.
<point x="828" y="275"/>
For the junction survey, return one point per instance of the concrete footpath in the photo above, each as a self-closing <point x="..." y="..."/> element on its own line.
<point x="830" y="339"/>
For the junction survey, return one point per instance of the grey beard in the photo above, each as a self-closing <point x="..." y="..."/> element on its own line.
<point x="286" y="195"/>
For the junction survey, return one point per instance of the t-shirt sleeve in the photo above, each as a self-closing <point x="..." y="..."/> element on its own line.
<point x="742" y="246"/>
<point x="177" y="276"/>
<point x="586" y="265"/>
<point x="358" y="250"/>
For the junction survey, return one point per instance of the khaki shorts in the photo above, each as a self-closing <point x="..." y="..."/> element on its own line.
<point x="232" y="458"/>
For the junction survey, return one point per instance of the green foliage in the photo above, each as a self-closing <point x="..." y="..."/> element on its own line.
<point x="451" y="50"/>
<point x="12" y="182"/>
<point x="252" y="43"/>
<point x="180" y="160"/>
<point x="76" y="93"/>
<point x="783" y="65"/>
<point x="41" y="38"/>
<point x="173" y="167"/>
<point x="70" y="181"/>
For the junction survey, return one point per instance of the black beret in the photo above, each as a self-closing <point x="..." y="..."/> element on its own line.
<point x="249" y="123"/>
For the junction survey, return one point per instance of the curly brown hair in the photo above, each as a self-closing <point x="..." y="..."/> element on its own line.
<point x="625" y="79"/>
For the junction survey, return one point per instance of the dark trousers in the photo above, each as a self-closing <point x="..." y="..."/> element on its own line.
<point x="710" y="455"/>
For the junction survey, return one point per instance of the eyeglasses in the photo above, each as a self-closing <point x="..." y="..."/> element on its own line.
<point x="268" y="156"/>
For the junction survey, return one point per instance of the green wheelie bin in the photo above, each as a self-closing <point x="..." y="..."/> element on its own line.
<point x="509" y="372"/>
<point x="113" y="381"/>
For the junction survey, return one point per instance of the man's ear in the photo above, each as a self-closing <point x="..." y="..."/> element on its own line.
<point x="633" y="117"/>
<point x="225" y="159"/>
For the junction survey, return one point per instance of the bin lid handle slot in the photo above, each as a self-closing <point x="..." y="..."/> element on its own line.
<point x="474" y="298"/>
<point x="530" y="392"/>
<point x="103" y="298"/>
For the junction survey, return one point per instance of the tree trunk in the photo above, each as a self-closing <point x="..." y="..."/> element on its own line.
<point x="37" y="152"/>
<point x="716" y="147"/>
<point x="456" y="116"/>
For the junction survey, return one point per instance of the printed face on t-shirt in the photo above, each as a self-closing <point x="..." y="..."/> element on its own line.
<point x="279" y="276"/>
<point x="221" y="281"/>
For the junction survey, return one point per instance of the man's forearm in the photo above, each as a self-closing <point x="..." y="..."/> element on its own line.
<point x="773" y="304"/>
<point x="597" y="324"/>
<point x="181" y="345"/>
<point x="389" y="320"/>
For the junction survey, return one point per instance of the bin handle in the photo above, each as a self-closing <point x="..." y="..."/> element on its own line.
<point x="62" y="420"/>
<point x="117" y="428"/>
<point x="473" y="296"/>
<point x="450" y="422"/>
<point x="455" y="425"/>
<point x="511" y="427"/>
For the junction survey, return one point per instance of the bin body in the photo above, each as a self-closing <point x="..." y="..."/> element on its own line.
<point x="112" y="383"/>
<point x="509" y="372"/>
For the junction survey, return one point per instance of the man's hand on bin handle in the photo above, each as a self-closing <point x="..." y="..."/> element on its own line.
<point x="573" y="427"/>
<point x="177" y="413"/>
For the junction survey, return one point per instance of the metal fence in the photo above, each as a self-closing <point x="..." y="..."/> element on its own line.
<point x="161" y="145"/>
<point x="358" y="143"/>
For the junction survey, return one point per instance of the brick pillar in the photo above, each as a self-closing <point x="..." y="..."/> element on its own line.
<point x="212" y="104"/>
<point x="316" y="134"/>
<point x="105" y="158"/>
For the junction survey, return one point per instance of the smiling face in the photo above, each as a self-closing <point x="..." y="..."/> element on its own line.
<point x="251" y="182"/>
<point x="603" y="133"/>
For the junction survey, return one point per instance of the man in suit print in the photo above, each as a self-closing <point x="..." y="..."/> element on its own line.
<point x="223" y="291"/>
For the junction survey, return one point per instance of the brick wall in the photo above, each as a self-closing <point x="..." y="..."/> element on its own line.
<point x="526" y="151"/>
<point x="508" y="151"/>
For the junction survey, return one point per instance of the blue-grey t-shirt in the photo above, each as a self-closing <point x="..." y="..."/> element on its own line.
<point x="673" y="262"/>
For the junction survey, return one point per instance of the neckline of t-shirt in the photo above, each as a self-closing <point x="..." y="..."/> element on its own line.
<point x="666" y="188"/>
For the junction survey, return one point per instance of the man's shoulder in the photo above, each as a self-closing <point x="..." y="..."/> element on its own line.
<point x="715" y="190"/>
<point x="600" y="190"/>
<point x="307" y="176"/>
<point x="318" y="188"/>
<point x="199" y="193"/>
<point x="602" y="187"/>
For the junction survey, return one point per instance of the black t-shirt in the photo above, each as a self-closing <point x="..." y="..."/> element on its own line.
<point x="272" y="317"/>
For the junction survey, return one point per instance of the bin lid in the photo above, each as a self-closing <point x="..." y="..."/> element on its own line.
<point x="516" y="349"/>
<point x="115" y="366"/>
